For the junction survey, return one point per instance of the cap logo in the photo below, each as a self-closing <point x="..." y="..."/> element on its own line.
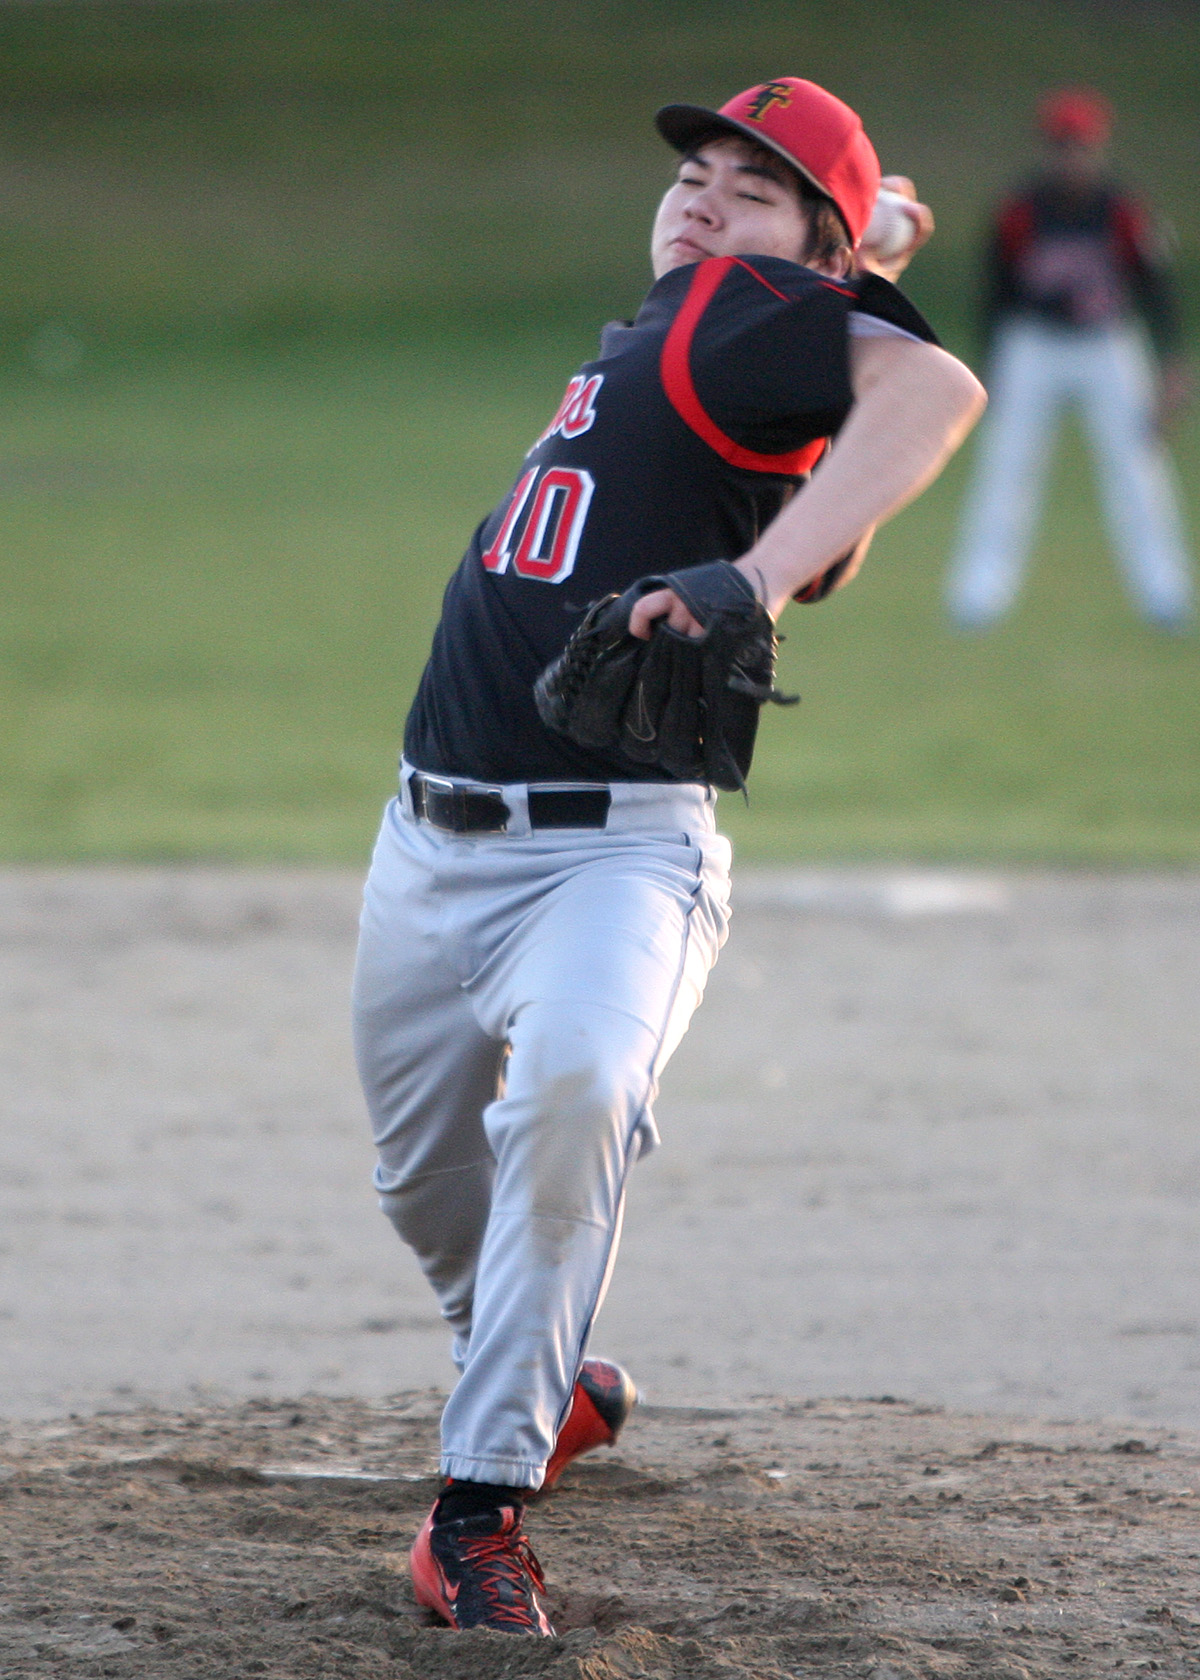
<point x="768" y="96"/>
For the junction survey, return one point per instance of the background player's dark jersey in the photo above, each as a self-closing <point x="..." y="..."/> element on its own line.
<point x="677" y="445"/>
<point x="1078" y="257"/>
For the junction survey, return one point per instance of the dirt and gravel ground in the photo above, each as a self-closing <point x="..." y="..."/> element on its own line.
<point x="933" y="1136"/>
<point x="747" y="1542"/>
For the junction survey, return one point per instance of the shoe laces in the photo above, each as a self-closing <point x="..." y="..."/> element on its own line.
<point x="504" y="1561"/>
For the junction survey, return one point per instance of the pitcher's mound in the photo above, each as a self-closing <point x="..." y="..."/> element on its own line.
<point x="825" y="1538"/>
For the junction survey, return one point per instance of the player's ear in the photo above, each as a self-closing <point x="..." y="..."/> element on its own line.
<point x="828" y="247"/>
<point x="836" y="262"/>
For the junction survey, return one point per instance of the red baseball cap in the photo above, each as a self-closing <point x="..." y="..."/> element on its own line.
<point x="1076" y="114"/>
<point x="821" y="138"/>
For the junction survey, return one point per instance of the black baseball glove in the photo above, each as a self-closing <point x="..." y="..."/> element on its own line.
<point x="687" y="705"/>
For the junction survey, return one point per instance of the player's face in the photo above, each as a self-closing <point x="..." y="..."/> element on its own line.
<point x="729" y="201"/>
<point x="1076" y="163"/>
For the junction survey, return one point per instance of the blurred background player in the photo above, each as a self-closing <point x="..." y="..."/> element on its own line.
<point x="1077" y="281"/>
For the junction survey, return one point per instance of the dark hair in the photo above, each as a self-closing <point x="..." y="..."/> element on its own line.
<point x="826" y="230"/>
<point x="827" y="233"/>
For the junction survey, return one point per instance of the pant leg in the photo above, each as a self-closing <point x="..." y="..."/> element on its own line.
<point x="1026" y="388"/>
<point x="1139" y="496"/>
<point x="594" y="992"/>
<point x="428" y="1069"/>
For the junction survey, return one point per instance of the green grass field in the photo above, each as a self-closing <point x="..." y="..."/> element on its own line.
<point x="175" y="168"/>
<point x="221" y="574"/>
<point x="269" y="279"/>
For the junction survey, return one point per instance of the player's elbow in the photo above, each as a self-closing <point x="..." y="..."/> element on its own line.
<point x="960" y="396"/>
<point x="915" y="400"/>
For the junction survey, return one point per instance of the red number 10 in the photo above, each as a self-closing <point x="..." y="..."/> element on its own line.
<point x="550" y="529"/>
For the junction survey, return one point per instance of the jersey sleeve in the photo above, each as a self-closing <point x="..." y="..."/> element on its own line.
<point x="879" y="299"/>
<point x="1142" y="252"/>
<point x="769" y="358"/>
<point x="1008" y="239"/>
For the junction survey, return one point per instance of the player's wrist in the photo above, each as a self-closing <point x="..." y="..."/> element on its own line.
<point x="775" y="582"/>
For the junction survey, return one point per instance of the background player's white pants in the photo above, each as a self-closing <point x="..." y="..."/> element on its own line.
<point x="581" y="954"/>
<point x="1036" y="369"/>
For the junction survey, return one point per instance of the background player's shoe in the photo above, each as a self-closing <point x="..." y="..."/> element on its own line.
<point x="480" y="1571"/>
<point x="604" y="1397"/>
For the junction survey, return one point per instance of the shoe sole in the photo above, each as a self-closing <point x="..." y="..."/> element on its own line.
<point x="427" y="1577"/>
<point x="603" y="1398"/>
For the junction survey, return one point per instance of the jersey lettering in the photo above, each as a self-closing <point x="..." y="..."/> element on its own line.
<point x="551" y="537"/>
<point x="498" y="553"/>
<point x="576" y="413"/>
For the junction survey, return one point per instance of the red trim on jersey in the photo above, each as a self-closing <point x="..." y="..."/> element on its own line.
<point x="845" y="291"/>
<point x="1014" y="229"/>
<point x="1130" y="227"/>
<point x="676" y="372"/>
<point x="762" y="282"/>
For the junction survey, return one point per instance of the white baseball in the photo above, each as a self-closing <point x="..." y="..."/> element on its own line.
<point x="890" y="231"/>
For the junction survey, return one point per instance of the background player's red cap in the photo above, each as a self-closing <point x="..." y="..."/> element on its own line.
<point x="821" y="138"/>
<point x="1076" y="114"/>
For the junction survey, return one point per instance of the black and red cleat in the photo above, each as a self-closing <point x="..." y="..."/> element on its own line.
<point x="603" y="1399"/>
<point x="480" y="1571"/>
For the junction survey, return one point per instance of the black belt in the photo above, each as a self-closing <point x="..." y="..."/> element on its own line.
<point x="482" y="810"/>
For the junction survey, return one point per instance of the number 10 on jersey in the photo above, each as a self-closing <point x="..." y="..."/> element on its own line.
<point x="545" y="521"/>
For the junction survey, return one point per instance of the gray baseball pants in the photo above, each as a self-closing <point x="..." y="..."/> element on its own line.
<point x="515" y="1000"/>
<point x="1038" y="368"/>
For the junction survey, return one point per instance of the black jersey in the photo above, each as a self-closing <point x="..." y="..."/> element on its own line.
<point x="1079" y="258"/>
<point x="677" y="445"/>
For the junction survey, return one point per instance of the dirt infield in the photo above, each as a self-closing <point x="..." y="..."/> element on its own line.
<point x="748" y="1542"/>
<point x="932" y="1136"/>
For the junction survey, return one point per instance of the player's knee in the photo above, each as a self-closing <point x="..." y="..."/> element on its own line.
<point x="587" y="1063"/>
<point x="577" y="1085"/>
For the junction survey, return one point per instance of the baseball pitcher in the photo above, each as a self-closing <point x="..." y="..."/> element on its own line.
<point x="549" y="890"/>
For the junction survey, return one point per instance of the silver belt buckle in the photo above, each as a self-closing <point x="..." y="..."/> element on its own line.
<point x="443" y="784"/>
<point x="445" y="788"/>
